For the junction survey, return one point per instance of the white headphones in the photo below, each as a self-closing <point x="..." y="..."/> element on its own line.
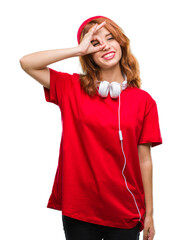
<point x="114" y="88"/>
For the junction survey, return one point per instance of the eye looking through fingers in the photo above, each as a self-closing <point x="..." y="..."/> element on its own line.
<point x="94" y="44"/>
<point x="97" y="40"/>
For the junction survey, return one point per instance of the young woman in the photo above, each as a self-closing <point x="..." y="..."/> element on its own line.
<point x="103" y="183"/>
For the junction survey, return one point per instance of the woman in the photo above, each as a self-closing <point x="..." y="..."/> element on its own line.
<point x="103" y="183"/>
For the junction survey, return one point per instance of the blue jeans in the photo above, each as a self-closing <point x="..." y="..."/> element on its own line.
<point x="79" y="230"/>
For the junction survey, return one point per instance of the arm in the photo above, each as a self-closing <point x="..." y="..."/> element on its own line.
<point x="41" y="59"/>
<point x="146" y="171"/>
<point x="35" y="64"/>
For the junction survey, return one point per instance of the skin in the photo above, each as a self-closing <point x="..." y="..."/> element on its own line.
<point x="144" y="153"/>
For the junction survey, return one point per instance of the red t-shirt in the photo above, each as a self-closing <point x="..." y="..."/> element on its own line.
<point x="89" y="184"/>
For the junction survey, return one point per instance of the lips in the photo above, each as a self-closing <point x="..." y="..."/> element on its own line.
<point x="108" y="53"/>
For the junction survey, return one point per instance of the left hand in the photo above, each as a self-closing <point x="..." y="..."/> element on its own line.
<point x="149" y="230"/>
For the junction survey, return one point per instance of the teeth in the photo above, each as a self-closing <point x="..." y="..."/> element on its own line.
<point x="108" y="55"/>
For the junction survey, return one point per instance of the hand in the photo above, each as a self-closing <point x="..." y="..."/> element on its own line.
<point x="86" y="46"/>
<point x="149" y="231"/>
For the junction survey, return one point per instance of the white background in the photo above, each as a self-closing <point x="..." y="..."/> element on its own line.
<point x="30" y="128"/>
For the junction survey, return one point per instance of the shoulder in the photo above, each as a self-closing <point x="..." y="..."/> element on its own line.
<point x="73" y="76"/>
<point x="141" y="95"/>
<point x="69" y="78"/>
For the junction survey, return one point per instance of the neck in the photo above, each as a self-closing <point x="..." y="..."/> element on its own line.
<point x="112" y="74"/>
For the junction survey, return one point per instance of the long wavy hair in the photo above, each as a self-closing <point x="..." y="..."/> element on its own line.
<point x="128" y="63"/>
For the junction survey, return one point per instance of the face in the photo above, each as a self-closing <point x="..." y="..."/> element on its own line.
<point x="111" y="45"/>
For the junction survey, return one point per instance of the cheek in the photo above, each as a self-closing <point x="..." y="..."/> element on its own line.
<point x="119" y="51"/>
<point x="95" y="57"/>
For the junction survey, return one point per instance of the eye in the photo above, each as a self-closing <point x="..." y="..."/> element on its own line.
<point x="99" y="43"/>
<point x="95" y="44"/>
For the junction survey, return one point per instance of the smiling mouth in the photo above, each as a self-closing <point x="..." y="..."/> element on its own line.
<point x="109" y="56"/>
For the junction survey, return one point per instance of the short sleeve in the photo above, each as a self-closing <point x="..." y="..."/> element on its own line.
<point x="59" y="82"/>
<point x="150" y="132"/>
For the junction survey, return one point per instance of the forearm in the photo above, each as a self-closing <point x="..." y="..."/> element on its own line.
<point x="41" y="59"/>
<point x="147" y="171"/>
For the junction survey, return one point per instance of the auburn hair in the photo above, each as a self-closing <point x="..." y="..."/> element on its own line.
<point x="128" y="63"/>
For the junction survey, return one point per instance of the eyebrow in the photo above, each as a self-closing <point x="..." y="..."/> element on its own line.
<point x="108" y="34"/>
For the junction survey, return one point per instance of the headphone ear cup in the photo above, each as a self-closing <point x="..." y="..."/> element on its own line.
<point x="124" y="84"/>
<point x="115" y="89"/>
<point x="104" y="89"/>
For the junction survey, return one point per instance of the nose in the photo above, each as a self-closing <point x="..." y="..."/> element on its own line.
<point x="107" y="46"/>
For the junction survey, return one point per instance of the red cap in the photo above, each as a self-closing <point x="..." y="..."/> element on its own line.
<point x="84" y="24"/>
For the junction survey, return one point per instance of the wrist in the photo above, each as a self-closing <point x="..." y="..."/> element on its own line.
<point x="78" y="51"/>
<point x="149" y="213"/>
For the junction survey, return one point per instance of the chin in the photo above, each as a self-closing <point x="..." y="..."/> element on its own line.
<point x="109" y="64"/>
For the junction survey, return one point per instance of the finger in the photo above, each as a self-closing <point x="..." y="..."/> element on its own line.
<point x="100" y="25"/>
<point x="97" y="26"/>
<point x="145" y="235"/>
<point x="97" y="38"/>
<point x="92" y="29"/>
<point x="99" y="48"/>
